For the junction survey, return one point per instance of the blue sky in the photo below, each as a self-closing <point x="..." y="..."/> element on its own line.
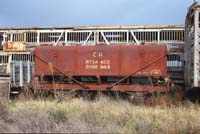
<point x="92" y="12"/>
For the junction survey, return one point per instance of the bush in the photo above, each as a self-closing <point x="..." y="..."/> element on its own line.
<point x="58" y="115"/>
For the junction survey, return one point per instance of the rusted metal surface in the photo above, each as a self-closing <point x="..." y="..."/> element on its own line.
<point x="101" y="60"/>
<point x="113" y="65"/>
<point x="14" y="46"/>
<point x="128" y="87"/>
<point x="191" y="47"/>
<point x="175" y="48"/>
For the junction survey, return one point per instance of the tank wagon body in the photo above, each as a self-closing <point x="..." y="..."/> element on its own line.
<point x="116" y="67"/>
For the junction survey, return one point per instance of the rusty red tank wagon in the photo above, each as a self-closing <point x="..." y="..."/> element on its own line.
<point x="116" y="67"/>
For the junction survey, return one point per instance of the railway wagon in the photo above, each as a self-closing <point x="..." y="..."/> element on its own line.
<point x="117" y="67"/>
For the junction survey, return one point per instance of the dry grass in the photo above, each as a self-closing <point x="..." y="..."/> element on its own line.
<point x="3" y="109"/>
<point x="102" y="116"/>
